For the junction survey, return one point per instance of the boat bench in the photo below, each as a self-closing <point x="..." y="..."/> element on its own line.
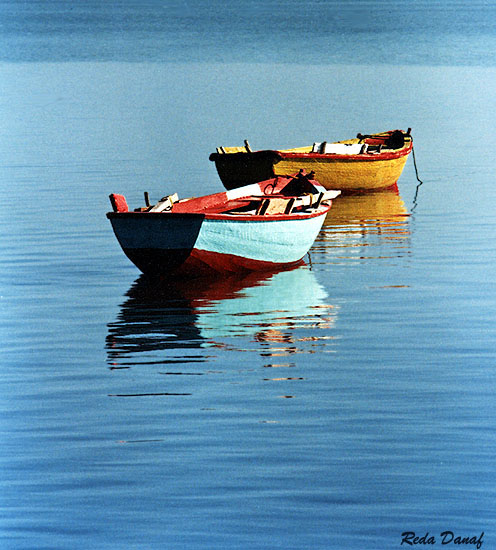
<point x="325" y="148"/>
<point x="165" y="203"/>
<point x="275" y="206"/>
<point x="285" y="205"/>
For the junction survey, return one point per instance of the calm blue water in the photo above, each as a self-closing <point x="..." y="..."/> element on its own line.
<point x="333" y="406"/>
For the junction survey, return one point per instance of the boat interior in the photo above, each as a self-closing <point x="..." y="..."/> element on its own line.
<point x="298" y="195"/>
<point x="362" y="144"/>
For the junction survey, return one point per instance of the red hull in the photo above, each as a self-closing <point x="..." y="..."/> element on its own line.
<point x="198" y="262"/>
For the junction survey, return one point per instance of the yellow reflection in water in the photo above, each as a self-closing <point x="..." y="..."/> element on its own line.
<point x="361" y="208"/>
<point x="367" y="220"/>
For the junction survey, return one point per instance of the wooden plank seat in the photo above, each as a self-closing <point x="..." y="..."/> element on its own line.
<point x="314" y="200"/>
<point x="276" y="205"/>
<point x="165" y="203"/>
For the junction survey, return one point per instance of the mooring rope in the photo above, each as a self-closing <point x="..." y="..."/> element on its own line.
<point x="420" y="182"/>
<point x="310" y="260"/>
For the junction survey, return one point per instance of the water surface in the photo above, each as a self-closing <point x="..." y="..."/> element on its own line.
<point x="335" y="405"/>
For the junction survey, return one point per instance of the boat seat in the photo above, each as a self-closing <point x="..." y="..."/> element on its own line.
<point x="276" y="206"/>
<point x="309" y="200"/>
<point x="165" y="203"/>
<point x="118" y="203"/>
<point x="338" y="148"/>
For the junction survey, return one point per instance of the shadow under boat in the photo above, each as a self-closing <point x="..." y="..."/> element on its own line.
<point x="163" y="318"/>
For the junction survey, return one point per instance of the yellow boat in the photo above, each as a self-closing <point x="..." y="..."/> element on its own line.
<point x="365" y="163"/>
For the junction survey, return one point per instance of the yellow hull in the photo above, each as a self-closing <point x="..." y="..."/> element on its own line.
<point x="346" y="175"/>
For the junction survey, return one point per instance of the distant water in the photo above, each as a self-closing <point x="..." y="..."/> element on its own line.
<point x="332" y="406"/>
<point x="312" y="32"/>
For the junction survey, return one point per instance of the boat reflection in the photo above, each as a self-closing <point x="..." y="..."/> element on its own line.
<point x="179" y="321"/>
<point x="358" y="221"/>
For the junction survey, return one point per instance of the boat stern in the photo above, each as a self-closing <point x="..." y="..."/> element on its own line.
<point x="240" y="168"/>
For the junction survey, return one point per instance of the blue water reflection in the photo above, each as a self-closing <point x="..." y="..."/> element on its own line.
<point x="173" y="321"/>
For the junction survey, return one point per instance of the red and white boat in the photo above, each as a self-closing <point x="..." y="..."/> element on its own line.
<point x="260" y="227"/>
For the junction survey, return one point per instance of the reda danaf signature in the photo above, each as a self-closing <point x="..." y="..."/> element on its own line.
<point x="446" y="537"/>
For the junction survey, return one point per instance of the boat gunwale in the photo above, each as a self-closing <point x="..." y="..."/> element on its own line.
<point x="281" y="154"/>
<point x="227" y="216"/>
<point x="111" y="215"/>
<point x="297" y="215"/>
<point x="387" y="155"/>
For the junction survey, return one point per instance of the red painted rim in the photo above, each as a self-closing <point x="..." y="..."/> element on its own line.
<point x="349" y="158"/>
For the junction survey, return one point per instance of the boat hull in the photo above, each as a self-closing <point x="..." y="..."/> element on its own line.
<point x="198" y="243"/>
<point x="345" y="172"/>
<point x="348" y="175"/>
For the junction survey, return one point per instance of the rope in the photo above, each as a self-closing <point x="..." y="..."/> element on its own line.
<point x="415" y="165"/>
<point x="273" y="185"/>
<point x="420" y="182"/>
<point x="310" y="260"/>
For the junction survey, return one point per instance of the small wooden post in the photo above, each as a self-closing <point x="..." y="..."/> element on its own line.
<point x="248" y="148"/>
